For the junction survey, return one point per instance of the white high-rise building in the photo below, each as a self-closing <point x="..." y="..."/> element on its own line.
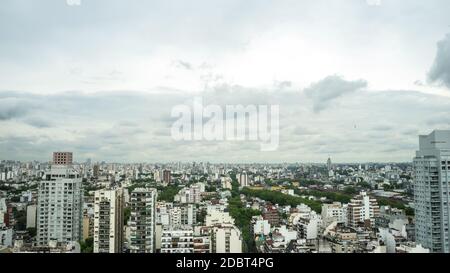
<point x="243" y="179"/>
<point x="432" y="191"/>
<point x="3" y="209"/>
<point x="362" y="211"/>
<point x="329" y="164"/>
<point x="108" y="221"/>
<point x="143" y="220"/>
<point x="60" y="206"/>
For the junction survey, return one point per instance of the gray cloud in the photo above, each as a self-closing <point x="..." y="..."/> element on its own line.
<point x="331" y="88"/>
<point x="440" y="71"/>
<point x="11" y="112"/>
<point x="184" y="65"/>
<point x="14" y="107"/>
<point x="383" y="128"/>
<point x="302" y="131"/>
<point x="38" y="122"/>
<point x="131" y="126"/>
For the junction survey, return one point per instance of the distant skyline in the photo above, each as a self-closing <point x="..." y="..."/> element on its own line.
<point x="355" y="80"/>
<point x="82" y="161"/>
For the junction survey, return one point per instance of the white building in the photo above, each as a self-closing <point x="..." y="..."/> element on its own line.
<point x="334" y="212"/>
<point x="432" y="190"/>
<point x="3" y="209"/>
<point x="309" y="227"/>
<point x="142" y="220"/>
<point x="188" y="214"/>
<point x="6" y="237"/>
<point x="163" y="215"/>
<point x="180" y="214"/>
<point x="261" y="227"/>
<point x="31" y="216"/>
<point x="177" y="239"/>
<point x="388" y="238"/>
<point x="243" y="179"/>
<point x="362" y="210"/>
<point x="226" y="183"/>
<point x="108" y="221"/>
<point x="288" y="234"/>
<point x="225" y="239"/>
<point x="191" y="195"/>
<point x="60" y="203"/>
<point x="411" y="248"/>
<point x="215" y="217"/>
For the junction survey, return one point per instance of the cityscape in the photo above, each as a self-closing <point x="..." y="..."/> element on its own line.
<point x="66" y="206"/>
<point x="240" y="130"/>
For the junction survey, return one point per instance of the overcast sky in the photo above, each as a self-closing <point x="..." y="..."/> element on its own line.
<point x="356" y="80"/>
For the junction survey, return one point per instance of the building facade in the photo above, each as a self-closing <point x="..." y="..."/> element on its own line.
<point x="60" y="203"/>
<point x="432" y="191"/>
<point x="142" y="220"/>
<point x="177" y="239"/>
<point x="226" y="239"/>
<point x="108" y="221"/>
<point x="362" y="211"/>
<point x="62" y="158"/>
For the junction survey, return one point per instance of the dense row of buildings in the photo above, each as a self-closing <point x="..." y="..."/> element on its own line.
<point x="65" y="211"/>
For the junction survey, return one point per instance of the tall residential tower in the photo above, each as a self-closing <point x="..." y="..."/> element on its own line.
<point x="108" y="221"/>
<point x="60" y="198"/>
<point x="143" y="220"/>
<point x="432" y="191"/>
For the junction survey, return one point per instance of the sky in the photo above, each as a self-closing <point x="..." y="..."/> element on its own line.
<point x="355" y="80"/>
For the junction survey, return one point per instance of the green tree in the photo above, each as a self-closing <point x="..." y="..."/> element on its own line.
<point x="282" y="199"/>
<point x="350" y="190"/>
<point x="409" y="211"/>
<point x="126" y="215"/>
<point x="87" y="246"/>
<point x="21" y="219"/>
<point x="168" y="193"/>
<point x="243" y="217"/>
<point x="32" y="231"/>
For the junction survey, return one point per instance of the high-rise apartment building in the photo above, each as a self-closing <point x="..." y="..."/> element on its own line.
<point x="142" y="220"/>
<point x="329" y="164"/>
<point x="432" y="191"/>
<point x="167" y="176"/>
<point x="243" y="179"/>
<point x="96" y="171"/>
<point x="108" y="221"/>
<point x="60" y="203"/>
<point x="362" y="211"/>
